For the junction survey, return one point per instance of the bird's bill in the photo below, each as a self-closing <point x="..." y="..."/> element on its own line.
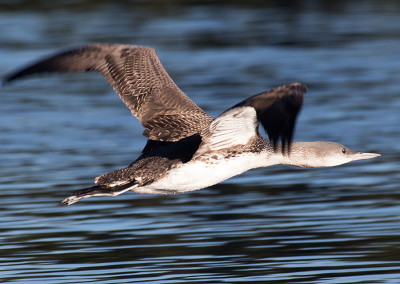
<point x="364" y="156"/>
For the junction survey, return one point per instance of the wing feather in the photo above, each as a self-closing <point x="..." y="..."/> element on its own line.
<point x="234" y="127"/>
<point x="277" y="110"/>
<point x="137" y="75"/>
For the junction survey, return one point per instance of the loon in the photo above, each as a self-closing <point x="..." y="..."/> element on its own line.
<point x="187" y="149"/>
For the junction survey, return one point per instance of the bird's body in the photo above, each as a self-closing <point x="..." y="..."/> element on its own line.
<point x="187" y="149"/>
<point x="203" y="171"/>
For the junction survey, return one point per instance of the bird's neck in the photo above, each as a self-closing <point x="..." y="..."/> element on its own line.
<point x="302" y="154"/>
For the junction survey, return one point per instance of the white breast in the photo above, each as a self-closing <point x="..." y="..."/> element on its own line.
<point x="198" y="174"/>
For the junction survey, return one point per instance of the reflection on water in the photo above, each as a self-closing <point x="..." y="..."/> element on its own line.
<point x="278" y="224"/>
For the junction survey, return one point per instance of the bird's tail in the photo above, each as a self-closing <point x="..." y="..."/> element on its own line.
<point x="97" y="191"/>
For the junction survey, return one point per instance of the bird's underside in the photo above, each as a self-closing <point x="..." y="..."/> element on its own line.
<point x="129" y="178"/>
<point x="180" y="133"/>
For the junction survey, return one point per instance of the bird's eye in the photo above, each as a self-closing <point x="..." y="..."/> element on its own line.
<point x="344" y="150"/>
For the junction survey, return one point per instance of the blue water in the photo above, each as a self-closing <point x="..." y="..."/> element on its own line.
<point x="272" y="225"/>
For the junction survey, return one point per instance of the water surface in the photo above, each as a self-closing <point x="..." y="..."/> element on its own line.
<point x="273" y="225"/>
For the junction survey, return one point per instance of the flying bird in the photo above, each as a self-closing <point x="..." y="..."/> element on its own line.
<point x="187" y="149"/>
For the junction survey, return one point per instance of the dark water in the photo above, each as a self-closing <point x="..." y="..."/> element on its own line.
<point x="271" y="225"/>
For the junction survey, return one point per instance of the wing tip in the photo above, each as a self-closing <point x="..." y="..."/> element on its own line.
<point x="46" y="65"/>
<point x="284" y="108"/>
<point x="299" y="86"/>
<point x="8" y="78"/>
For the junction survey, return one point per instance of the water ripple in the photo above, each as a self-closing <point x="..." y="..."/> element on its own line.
<point x="273" y="225"/>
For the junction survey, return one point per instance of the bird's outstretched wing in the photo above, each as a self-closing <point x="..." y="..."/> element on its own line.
<point x="137" y="75"/>
<point x="276" y="109"/>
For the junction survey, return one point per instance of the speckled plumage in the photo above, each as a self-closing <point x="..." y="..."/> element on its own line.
<point x="138" y="77"/>
<point x="187" y="149"/>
